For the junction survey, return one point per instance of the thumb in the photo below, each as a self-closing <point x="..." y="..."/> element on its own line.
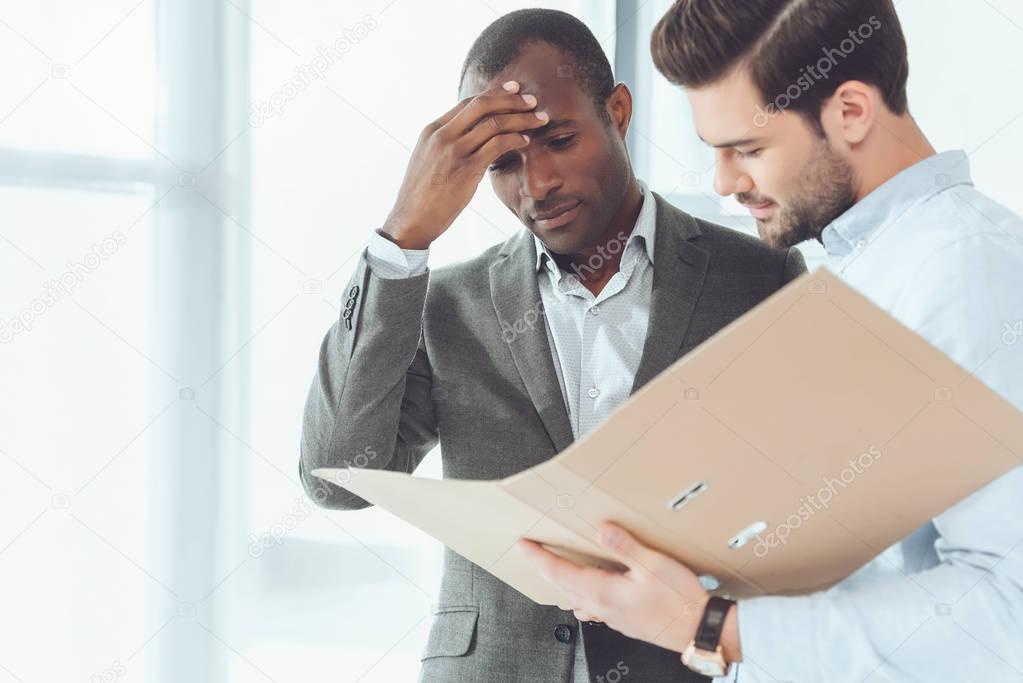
<point x="627" y="548"/>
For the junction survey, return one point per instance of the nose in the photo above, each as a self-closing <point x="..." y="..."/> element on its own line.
<point x="729" y="180"/>
<point x="537" y="177"/>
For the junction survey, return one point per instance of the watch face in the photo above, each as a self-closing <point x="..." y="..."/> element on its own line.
<point x="706" y="667"/>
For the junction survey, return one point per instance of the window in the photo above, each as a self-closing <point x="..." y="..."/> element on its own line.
<point x="186" y="187"/>
<point x="76" y="241"/>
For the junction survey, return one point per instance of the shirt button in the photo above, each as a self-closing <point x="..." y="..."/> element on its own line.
<point x="563" y="633"/>
<point x="595" y="310"/>
<point x="594" y="392"/>
<point x="861" y="245"/>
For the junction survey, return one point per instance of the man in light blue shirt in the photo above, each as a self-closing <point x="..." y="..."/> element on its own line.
<point x="833" y="154"/>
<point x="945" y="604"/>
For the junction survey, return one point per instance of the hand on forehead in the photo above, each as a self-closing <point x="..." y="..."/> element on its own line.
<point x="541" y="70"/>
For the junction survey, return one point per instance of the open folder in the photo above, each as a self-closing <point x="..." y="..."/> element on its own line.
<point x="779" y="457"/>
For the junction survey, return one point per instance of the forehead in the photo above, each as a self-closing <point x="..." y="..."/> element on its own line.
<point x="542" y="70"/>
<point x="729" y="109"/>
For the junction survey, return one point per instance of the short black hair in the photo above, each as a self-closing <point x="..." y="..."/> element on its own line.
<point x="500" y="43"/>
<point x="698" y="42"/>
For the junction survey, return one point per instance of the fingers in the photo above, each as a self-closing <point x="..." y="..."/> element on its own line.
<point x="578" y="582"/>
<point x="494" y="101"/>
<point x="480" y="129"/>
<point x="628" y="550"/>
<point x="583" y="615"/>
<point x="554" y="568"/>
<point x="499" y="124"/>
<point x="511" y="87"/>
<point x="450" y="114"/>
<point x="495" y="148"/>
<point x="536" y="553"/>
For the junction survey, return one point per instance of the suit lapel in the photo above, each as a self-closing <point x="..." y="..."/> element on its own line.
<point x="679" y="272"/>
<point x="680" y="268"/>
<point x="516" y="297"/>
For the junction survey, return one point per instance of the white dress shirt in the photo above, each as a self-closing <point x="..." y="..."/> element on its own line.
<point x="946" y="603"/>
<point x="597" y="341"/>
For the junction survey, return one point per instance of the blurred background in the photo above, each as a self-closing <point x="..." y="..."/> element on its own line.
<point x="185" y="187"/>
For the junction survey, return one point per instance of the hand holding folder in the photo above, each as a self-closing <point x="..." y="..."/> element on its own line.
<point x="778" y="458"/>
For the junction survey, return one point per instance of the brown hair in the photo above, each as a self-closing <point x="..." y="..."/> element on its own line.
<point x="798" y="51"/>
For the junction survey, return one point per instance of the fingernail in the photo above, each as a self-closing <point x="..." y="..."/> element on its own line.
<point x="511" y="86"/>
<point x="542" y="115"/>
<point x="525" y="137"/>
<point x="530" y="100"/>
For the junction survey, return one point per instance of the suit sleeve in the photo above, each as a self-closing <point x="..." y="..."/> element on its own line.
<point x="370" y="402"/>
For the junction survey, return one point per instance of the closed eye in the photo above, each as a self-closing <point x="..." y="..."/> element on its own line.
<point x="503" y="164"/>
<point x="752" y="154"/>
<point x="562" y="142"/>
<point x="506" y="162"/>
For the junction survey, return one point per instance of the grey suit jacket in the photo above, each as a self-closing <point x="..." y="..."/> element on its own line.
<point x="459" y="356"/>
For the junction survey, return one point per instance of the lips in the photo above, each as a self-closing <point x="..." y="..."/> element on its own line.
<point x="554" y="213"/>
<point x="558" y="216"/>
<point x="761" y="211"/>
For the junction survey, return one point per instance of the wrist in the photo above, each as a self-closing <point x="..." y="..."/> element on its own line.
<point x="714" y="645"/>
<point x="731" y="647"/>
<point x="695" y="613"/>
<point x="404" y="238"/>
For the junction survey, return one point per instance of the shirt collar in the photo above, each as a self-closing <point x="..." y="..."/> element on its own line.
<point x="643" y="233"/>
<point x="854" y="229"/>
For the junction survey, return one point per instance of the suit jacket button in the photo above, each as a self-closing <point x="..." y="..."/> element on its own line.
<point x="350" y="303"/>
<point x="348" y="324"/>
<point x="347" y="314"/>
<point x="354" y="291"/>
<point x="563" y="632"/>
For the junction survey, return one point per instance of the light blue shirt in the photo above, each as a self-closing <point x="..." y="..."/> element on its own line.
<point x="946" y="603"/>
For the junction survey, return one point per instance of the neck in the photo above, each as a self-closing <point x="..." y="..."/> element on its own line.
<point x="897" y="144"/>
<point x="595" y="272"/>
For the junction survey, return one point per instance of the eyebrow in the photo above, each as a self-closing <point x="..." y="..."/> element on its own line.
<point x="542" y="131"/>
<point x="733" y="143"/>
<point x="550" y="127"/>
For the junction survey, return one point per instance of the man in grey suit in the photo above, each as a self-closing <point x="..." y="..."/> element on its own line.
<point x="505" y="359"/>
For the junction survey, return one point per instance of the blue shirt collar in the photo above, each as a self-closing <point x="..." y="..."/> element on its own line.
<point x="854" y="229"/>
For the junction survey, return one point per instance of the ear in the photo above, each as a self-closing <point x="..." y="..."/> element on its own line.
<point x="619" y="108"/>
<point x="852" y="111"/>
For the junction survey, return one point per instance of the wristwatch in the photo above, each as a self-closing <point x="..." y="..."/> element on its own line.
<point x="704" y="654"/>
